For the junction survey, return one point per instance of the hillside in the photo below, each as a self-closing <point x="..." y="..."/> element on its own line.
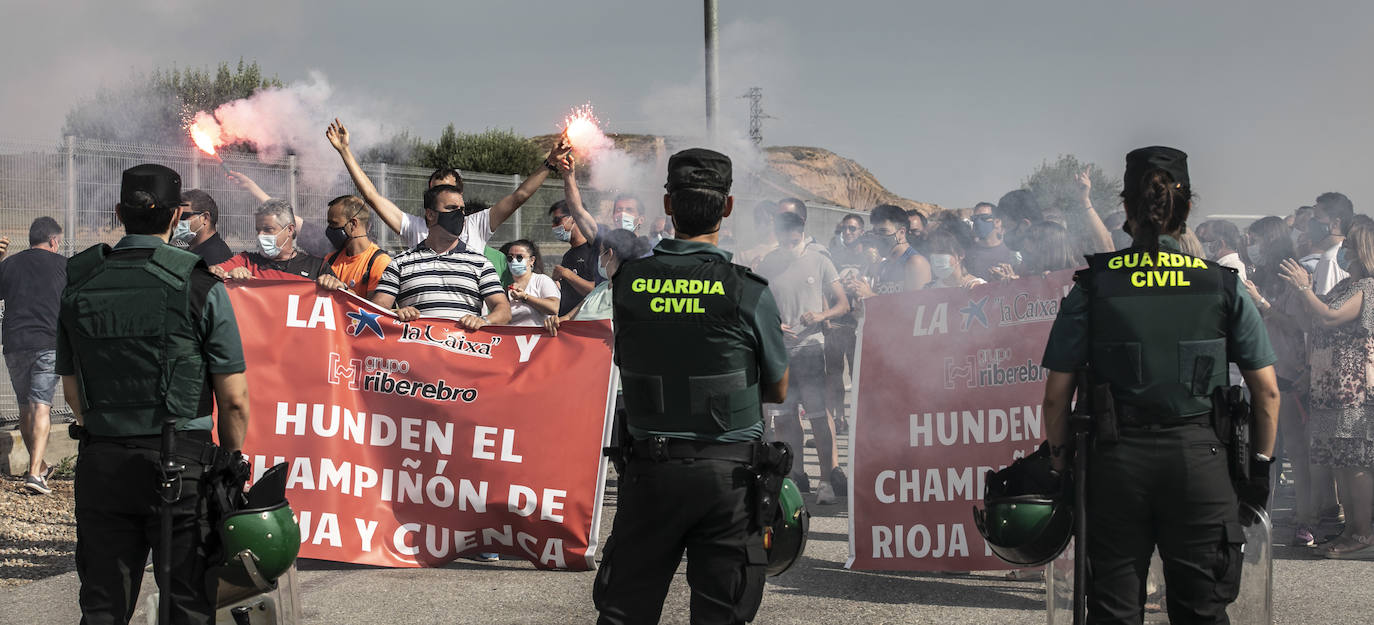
<point x="812" y="174"/>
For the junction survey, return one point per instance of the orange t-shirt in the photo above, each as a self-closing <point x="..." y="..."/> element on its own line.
<point x="361" y="272"/>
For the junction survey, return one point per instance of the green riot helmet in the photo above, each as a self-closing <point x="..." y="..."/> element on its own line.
<point x="262" y="539"/>
<point x="785" y="539"/>
<point x="1026" y="520"/>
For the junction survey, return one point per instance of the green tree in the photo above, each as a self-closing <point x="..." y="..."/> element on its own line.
<point x="402" y="148"/>
<point x="1056" y="186"/>
<point x="492" y="151"/>
<point x="155" y="108"/>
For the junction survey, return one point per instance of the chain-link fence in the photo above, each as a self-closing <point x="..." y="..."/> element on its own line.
<point x="76" y="182"/>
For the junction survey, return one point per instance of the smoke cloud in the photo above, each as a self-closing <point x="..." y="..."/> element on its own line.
<point x="291" y="120"/>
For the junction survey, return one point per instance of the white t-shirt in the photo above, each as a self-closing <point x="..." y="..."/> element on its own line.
<point x="1233" y="261"/>
<point x="521" y="313"/>
<point x="476" y="230"/>
<point x="1328" y="274"/>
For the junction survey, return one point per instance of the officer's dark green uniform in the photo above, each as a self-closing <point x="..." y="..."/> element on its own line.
<point x="142" y="327"/>
<point x="696" y="336"/>
<point x="1160" y="329"/>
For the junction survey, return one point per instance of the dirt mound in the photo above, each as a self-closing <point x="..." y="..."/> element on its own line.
<point x="812" y="174"/>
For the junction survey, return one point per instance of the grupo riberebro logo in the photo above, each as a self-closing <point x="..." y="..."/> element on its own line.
<point x="374" y="374"/>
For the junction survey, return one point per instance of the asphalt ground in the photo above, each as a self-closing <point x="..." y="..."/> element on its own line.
<point x="818" y="590"/>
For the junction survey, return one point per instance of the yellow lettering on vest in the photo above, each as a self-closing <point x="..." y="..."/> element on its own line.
<point x="1114" y="263"/>
<point x="638" y="285"/>
<point x="1131" y="260"/>
<point x="1146" y="260"/>
<point x="676" y="305"/>
<point x="682" y="286"/>
<point x="1142" y="279"/>
<point x="716" y="288"/>
<point x="1198" y="264"/>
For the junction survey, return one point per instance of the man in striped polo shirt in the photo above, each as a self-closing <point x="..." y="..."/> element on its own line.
<point x="440" y="277"/>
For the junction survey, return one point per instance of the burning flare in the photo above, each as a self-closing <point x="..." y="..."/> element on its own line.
<point x="205" y="131"/>
<point x="583" y="130"/>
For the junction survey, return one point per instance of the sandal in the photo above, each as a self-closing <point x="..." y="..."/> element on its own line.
<point x="1353" y="547"/>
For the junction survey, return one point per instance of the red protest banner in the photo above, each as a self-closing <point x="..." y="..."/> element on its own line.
<point x="949" y="386"/>
<point x="414" y="443"/>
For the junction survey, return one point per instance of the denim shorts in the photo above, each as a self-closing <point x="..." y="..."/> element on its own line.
<point x="33" y="374"/>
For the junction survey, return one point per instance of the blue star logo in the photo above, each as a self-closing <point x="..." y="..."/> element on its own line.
<point x="974" y="311"/>
<point x="363" y="320"/>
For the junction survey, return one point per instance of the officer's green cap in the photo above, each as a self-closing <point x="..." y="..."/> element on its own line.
<point x="699" y="168"/>
<point x="1142" y="160"/>
<point x="159" y="181"/>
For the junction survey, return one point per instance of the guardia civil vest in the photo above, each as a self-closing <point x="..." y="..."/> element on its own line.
<point x="1158" y="328"/>
<point x="134" y="345"/>
<point x="688" y="358"/>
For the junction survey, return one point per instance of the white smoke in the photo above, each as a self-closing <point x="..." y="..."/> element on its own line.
<point x="278" y="121"/>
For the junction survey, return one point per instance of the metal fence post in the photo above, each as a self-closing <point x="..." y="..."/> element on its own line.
<point x="515" y="184"/>
<point x="384" y="189"/>
<point x="71" y="235"/>
<point x="195" y="169"/>
<point x="291" y="182"/>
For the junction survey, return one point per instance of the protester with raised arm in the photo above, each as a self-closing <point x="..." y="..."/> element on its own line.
<point x="478" y="226"/>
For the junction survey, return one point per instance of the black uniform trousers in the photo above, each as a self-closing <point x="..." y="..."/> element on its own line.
<point x="118" y="520"/>
<point x="1164" y="486"/>
<point x="702" y="506"/>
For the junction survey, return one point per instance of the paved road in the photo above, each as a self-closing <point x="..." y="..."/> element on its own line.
<point x="817" y="590"/>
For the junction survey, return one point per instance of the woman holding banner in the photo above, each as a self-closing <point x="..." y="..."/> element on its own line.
<point x="1157" y="327"/>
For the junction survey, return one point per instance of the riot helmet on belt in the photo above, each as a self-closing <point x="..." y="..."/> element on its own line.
<point x="262" y="539"/>
<point x="785" y="539"/>
<point x="1026" y="519"/>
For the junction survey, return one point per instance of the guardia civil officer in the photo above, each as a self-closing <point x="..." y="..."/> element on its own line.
<point x="1159" y="328"/>
<point x="146" y="333"/>
<point x="700" y="347"/>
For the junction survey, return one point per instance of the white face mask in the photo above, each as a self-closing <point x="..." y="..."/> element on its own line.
<point x="941" y="266"/>
<point x="267" y="244"/>
<point x="183" y="234"/>
<point x="627" y="222"/>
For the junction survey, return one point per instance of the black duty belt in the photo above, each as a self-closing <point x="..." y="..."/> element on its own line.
<point x="193" y="446"/>
<point x="662" y="448"/>
<point x="1129" y="416"/>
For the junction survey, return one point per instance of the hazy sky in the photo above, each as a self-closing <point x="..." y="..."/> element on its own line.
<point x="950" y="102"/>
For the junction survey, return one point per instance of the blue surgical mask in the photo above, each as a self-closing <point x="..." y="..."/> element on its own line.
<point x="941" y="266"/>
<point x="983" y="226"/>
<point x="267" y="244"/>
<point x="1343" y="259"/>
<point x="517" y="267"/>
<point x="561" y="233"/>
<point x="183" y="234"/>
<point x="1253" y="251"/>
<point x="601" y="270"/>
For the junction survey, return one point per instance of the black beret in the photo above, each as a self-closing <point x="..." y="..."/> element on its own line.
<point x="1142" y="160"/>
<point x="699" y="168"/>
<point x="159" y="181"/>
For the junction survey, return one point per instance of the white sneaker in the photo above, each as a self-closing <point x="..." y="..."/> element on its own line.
<point x="825" y="495"/>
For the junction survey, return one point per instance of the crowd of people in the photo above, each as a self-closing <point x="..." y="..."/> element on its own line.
<point x="1306" y="272"/>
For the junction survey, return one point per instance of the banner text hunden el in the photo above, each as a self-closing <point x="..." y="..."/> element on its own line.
<point x="414" y="443"/>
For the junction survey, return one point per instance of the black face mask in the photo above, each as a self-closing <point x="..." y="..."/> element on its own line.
<point x="1318" y="231"/>
<point x="451" y="222"/>
<point x="337" y="237"/>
